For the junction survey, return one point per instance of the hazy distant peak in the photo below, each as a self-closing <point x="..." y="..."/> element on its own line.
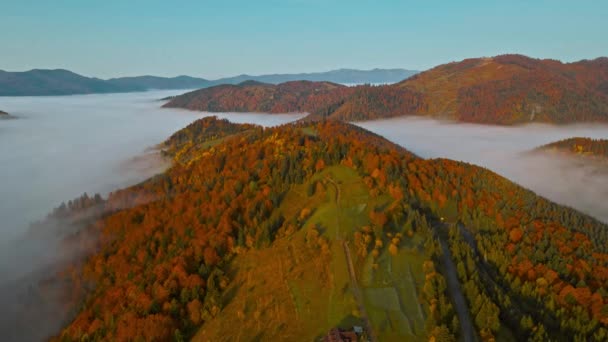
<point x="65" y="82"/>
<point x="251" y="83"/>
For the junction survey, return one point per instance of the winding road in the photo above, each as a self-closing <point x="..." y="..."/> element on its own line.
<point x="460" y="304"/>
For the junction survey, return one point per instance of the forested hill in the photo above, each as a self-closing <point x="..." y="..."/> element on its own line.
<point x="257" y="233"/>
<point x="579" y="146"/>
<point x="252" y="96"/>
<point x="516" y="89"/>
<point x="507" y="89"/>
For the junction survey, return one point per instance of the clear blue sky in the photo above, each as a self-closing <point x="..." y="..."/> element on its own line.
<point x="212" y="39"/>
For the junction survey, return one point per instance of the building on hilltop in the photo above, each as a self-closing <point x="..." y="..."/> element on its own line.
<point x="342" y="335"/>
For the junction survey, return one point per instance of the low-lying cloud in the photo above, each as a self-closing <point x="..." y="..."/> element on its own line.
<point x="570" y="181"/>
<point x="57" y="149"/>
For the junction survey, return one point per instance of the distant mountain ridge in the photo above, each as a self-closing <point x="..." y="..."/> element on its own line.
<point x="53" y="82"/>
<point x="505" y="90"/>
<point x="344" y="76"/>
<point x="43" y="82"/>
<point x="156" y="82"/>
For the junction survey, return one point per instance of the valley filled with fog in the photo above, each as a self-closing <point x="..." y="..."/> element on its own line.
<point x="59" y="147"/>
<point x="570" y="181"/>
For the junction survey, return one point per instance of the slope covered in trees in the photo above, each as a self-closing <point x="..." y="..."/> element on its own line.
<point x="178" y="253"/>
<point x="184" y="144"/>
<point x="579" y="146"/>
<point x="252" y="96"/>
<point x="507" y="89"/>
<point x="515" y="89"/>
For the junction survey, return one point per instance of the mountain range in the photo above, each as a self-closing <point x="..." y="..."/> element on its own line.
<point x="63" y="82"/>
<point x="506" y="89"/>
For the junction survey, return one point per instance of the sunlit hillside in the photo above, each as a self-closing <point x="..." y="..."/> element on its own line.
<point x="291" y="231"/>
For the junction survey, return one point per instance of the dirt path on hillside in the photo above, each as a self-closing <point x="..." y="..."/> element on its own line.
<point x="351" y="269"/>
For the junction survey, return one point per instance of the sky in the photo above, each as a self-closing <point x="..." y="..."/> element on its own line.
<point x="213" y="39"/>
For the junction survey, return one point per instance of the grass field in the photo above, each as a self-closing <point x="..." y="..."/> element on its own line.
<point x="290" y="281"/>
<point x="293" y="291"/>
<point x="391" y="293"/>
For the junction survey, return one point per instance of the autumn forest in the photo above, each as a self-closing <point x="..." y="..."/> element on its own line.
<point x="171" y="261"/>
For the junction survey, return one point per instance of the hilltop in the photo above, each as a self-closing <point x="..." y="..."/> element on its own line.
<point x="63" y="82"/>
<point x="507" y="89"/>
<point x="579" y="146"/>
<point x="253" y="96"/>
<point x="512" y="89"/>
<point x="286" y="232"/>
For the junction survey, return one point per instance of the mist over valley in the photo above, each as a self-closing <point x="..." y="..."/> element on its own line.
<point x="56" y="149"/>
<point x="506" y="150"/>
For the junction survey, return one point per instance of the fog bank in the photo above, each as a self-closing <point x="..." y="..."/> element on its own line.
<point x="56" y="149"/>
<point x="577" y="183"/>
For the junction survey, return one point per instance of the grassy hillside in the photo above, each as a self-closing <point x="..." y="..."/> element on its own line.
<point x="283" y="233"/>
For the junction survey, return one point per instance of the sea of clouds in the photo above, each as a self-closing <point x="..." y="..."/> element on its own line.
<point x="570" y="181"/>
<point x="57" y="148"/>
